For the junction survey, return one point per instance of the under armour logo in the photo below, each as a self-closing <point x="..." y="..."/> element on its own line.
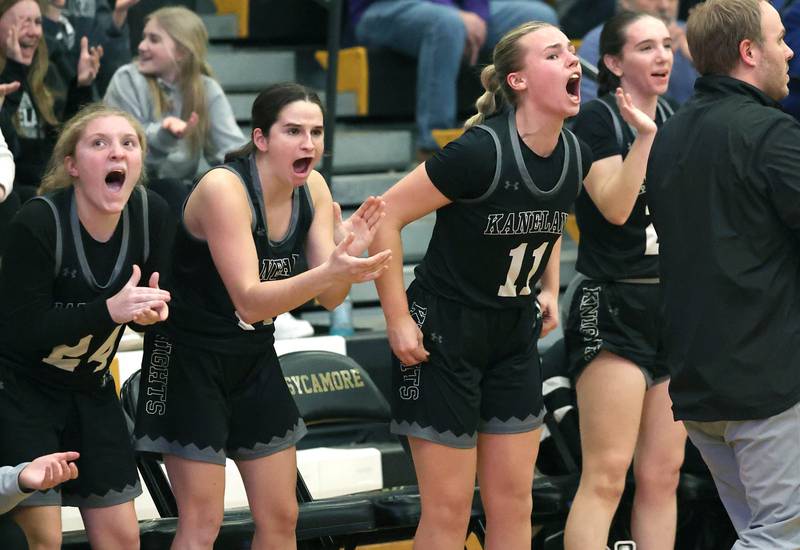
<point x="512" y="185"/>
<point x="436" y="338"/>
<point x="69" y="273"/>
<point x="261" y="232"/>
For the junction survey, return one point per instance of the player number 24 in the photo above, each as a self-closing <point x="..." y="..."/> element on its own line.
<point x="509" y="288"/>
<point x="69" y="357"/>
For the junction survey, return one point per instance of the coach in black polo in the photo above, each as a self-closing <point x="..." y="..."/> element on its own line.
<point x="724" y="192"/>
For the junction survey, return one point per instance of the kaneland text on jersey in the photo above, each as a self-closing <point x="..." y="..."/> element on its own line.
<point x="525" y="222"/>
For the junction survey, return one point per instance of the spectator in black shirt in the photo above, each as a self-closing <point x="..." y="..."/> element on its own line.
<point x="724" y="186"/>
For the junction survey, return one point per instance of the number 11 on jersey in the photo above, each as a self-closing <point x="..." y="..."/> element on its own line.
<point x="509" y="288"/>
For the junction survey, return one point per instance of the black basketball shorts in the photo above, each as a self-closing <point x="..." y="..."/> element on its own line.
<point x="483" y="374"/>
<point x="39" y="419"/>
<point x="622" y="318"/>
<point x="206" y="406"/>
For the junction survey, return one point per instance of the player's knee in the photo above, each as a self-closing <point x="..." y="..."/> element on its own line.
<point x="513" y="506"/>
<point x="201" y="525"/>
<point x="605" y="476"/>
<point x="657" y="478"/>
<point x="126" y="536"/>
<point x="450" y="515"/>
<point x="43" y="537"/>
<point x="278" y="517"/>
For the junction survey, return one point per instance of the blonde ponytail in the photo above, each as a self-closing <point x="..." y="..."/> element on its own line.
<point x="486" y="105"/>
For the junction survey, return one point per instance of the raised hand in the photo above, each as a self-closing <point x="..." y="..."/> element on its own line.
<point x="362" y="224"/>
<point x="11" y="45"/>
<point x="642" y="123"/>
<point x="88" y="62"/>
<point x="344" y="267"/>
<point x="154" y="315"/>
<point x="48" y="471"/>
<point x="476" y="34"/>
<point x="8" y="88"/>
<point x="132" y="301"/>
<point x="179" y="127"/>
<point x="405" y="339"/>
<point x="120" y="13"/>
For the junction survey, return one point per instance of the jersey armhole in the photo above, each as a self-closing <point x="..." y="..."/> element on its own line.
<point x="497" y="166"/>
<point x="59" y="252"/>
<point x="664" y="108"/>
<point x="615" y="121"/>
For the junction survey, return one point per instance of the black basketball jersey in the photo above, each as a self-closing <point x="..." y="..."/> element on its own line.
<point x="606" y="251"/>
<point x="201" y="311"/>
<point x="82" y="362"/>
<point x="491" y="250"/>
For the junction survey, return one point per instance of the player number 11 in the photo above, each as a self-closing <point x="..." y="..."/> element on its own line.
<point x="509" y="288"/>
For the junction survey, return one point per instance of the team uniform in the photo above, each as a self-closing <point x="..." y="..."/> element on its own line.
<point x="474" y="292"/>
<point x="211" y="385"/>
<point x="614" y="303"/>
<point x="58" y="340"/>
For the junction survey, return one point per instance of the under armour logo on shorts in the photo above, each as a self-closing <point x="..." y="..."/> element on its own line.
<point x="437" y="338"/>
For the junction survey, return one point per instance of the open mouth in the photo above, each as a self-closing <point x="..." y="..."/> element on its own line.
<point x="115" y="179"/>
<point x="302" y="166"/>
<point x="574" y="87"/>
<point x="28" y="48"/>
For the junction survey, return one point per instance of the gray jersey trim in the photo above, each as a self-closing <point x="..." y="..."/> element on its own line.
<point x="513" y="425"/>
<point x="145" y="221"/>
<point x="448" y="438"/>
<point x="190" y="451"/>
<point x="578" y="158"/>
<point x="53" y="497"/>
<point x="523" y="170"/>
<point x="295" y="215"/>
<point x="276" y="444"/>
<point x="59" y="252"/>
<point x="663" y="109"/>
<point x="246" y="194"/>
<point x="615" y="121"/>
<point x="498" y="167"/>
<point x="86" y="270"/>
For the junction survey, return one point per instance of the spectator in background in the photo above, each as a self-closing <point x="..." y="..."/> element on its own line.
<point x="580" y="16"/>
<point x="66" y="23"/>
<point x="41" y="98"/>
<point x="7" y="170"/>
<point x="681" y="81"/>
<point x="29" y="116"/>
<point x="441" y="34"/>
<point x="789" y="11"/>
<point x="171" y="91"/>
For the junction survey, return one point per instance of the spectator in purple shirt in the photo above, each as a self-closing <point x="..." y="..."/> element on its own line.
<point x="441" y="34"/>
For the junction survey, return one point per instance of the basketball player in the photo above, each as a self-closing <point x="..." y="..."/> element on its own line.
<point x="260" y="235"/>
<point x="68" y="287"/>
<point x="467" y="388"/>
<point x="613" y="330"/>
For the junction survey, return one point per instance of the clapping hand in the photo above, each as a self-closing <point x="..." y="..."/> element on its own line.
<point x="362" y="224"/>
